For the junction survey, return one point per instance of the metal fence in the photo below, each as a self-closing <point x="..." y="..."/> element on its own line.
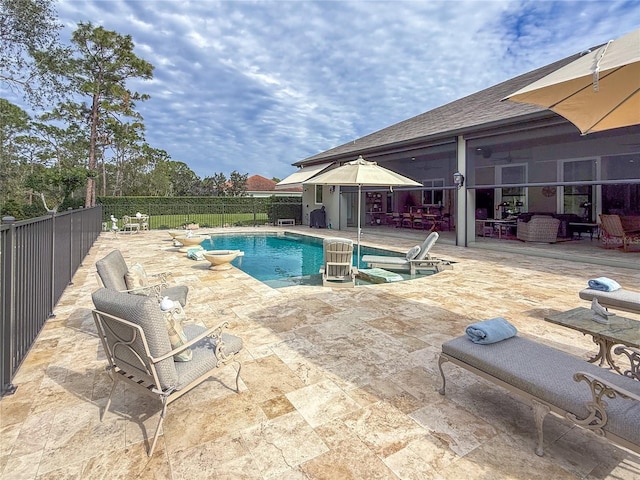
<point x="38" y="259"/>
<point x="178" y="213"/>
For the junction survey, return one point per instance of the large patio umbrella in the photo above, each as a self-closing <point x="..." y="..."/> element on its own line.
<point x="598" y="91"/>
<point x="362" y="173"/>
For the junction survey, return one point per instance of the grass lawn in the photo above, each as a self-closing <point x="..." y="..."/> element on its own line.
<point x="207" y="220"/>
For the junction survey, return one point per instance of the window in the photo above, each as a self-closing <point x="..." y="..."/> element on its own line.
<point x="318" y="193"/>
<point x="513" y="200"/>
<point x="621" y="199"/>
<point x="433" y="197"/>
<point x="578" y="199"/>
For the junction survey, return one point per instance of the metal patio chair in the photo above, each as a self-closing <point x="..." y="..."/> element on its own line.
<point x="112" y="273"/>
<point x="141" y="346"/>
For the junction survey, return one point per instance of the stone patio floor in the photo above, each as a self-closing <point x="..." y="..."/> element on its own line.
<point x="336" y="383"/>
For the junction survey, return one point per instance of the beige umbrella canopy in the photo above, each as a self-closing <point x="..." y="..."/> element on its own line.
<point x="362" y="173"/>
<point x="598" y="91"/>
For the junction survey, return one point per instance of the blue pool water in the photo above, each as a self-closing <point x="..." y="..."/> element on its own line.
<point x="281" y="259"/>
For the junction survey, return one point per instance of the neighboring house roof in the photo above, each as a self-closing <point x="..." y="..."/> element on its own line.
<point x="477" y="111"/>
<point x="258" y="183"/>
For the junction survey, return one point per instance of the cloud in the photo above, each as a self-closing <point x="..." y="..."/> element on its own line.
<point x="257" y="86"/>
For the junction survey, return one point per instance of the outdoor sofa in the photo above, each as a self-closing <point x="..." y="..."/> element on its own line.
<point x="539" y="228"/>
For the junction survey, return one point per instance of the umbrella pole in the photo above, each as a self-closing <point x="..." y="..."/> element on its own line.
<point x="359" y="196"/>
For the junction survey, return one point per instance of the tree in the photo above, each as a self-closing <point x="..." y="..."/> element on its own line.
<point x="237" y="186"/>
<point x="14" y="130"/>
<point x="103" y="62"/>
<point x="55" y="184"/>
<point x="131" y="164"/>
<point x="29" y="49"/>
<point x="216" y="185"/>
<point x="183" y="179"/>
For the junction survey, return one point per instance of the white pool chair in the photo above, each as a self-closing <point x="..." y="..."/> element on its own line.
<point x="338" y="269"/>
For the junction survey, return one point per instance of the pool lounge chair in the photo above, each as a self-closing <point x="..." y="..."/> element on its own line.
<point x="411" y="261"/>
<point x="338" y="269"/>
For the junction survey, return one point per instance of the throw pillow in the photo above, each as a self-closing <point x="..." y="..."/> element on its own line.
<point x="177" y="337"/>
<point x="136" y="280"/>
<point x="413" y="252"/>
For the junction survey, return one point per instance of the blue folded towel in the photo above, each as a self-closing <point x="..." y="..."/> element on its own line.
<point x="490" y="331"/>
<point x="195" y="253"/>
<point x="604" y="284"/>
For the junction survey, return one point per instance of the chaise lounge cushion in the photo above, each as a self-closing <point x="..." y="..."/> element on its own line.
<point x="623" y="299"/>
<point x="547" y="374"/>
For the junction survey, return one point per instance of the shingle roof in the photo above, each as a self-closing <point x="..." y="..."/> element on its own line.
<point x="474" y="112"/>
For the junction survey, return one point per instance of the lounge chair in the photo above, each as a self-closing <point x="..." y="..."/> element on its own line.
<point x="622" y="299"/>
<point x="145" y="348"/>
<point x="114" y="274"/>
<point x="614" y="234"/>
<point x="414" y="260"/>
<point x="338" y="269"/>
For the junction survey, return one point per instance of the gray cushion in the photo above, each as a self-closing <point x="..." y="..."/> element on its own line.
<point x="112" y="269"/>
<point x="623" y="299"/>
<point x="547" y="374"/>
<point x="204" y="359"/>
<point x="145" y="312"/>
<point x="413" y="252"/>
<point x="176" y="293"/>
<point x="399" y="261"/>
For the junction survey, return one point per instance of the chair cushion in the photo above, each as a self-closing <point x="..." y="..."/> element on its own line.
<point x="426" y="246"/>
<point x="413" y="252"/>
<point x="177" y="293"/>
<point x="204" y="358"/>
<point x="112" y="269"/>
<point x="142" y="311"/>
<point x="136" y="280"/>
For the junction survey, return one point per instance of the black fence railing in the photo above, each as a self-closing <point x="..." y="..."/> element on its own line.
<point x="38" y="258"/>
<point x="179" y="213"/>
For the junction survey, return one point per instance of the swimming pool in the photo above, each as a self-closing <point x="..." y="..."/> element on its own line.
<point x="281" y="259"/>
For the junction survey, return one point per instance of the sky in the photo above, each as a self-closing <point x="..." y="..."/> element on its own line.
<point x="254" y="86"/>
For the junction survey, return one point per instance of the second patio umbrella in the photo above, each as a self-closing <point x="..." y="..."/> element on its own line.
<point x="362" y="173"/>
<point x="598" y="91"/>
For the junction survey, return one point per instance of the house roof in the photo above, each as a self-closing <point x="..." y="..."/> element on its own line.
<point x="258" y="183"/>
<point x="475" y="112"/>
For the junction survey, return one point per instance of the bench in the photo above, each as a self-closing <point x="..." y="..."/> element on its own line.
<point x="621" y="299"/>
<point x="286" y="221"/>
<point x="553" y="381"/>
